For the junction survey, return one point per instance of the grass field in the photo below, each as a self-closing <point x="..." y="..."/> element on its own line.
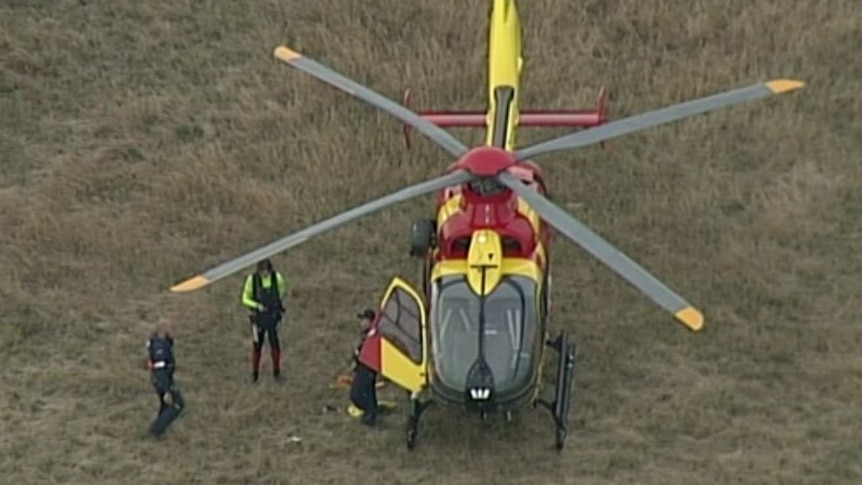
<point x="142" y="142"/>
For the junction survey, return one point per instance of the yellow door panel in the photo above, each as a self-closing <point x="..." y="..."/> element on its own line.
<point x="397" y="346"/>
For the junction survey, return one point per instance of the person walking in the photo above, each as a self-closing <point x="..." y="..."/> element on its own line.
<point x="162" y="364"/>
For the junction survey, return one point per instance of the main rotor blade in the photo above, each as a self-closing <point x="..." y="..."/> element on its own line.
<point x="658" y="117"/>
<point x="606" y="253"/>
<point x="248" y="259"/>
<point x="327" y="75"/>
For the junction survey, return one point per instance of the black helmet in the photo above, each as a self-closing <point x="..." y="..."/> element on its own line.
<point x="366" y="314"/>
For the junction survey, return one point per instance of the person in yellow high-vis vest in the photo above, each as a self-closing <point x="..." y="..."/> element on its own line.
<point x="263" y="294"/>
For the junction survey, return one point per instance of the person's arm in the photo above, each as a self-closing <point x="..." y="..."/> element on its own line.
<point x="147" y="363"/>
<point x="358" y="350"/>
<point x="171" y="360"/>
<point x="282" y="285"/>
<point x="354" y="359"/>
<point x="248" y="295"/>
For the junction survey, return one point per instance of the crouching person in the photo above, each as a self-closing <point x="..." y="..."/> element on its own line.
<point x="363" y="394"/>
<point x="363" y="389"/>
<point x="162" y="365"/>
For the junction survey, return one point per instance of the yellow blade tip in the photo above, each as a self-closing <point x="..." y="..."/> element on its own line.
<point x="691" y="317"/>
<point x="779" y="86"/>
<point x="191" y="284"/>
<point x="286" y="54"/>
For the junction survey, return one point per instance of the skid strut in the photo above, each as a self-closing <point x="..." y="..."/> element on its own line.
<point x="417" y="408"/>
<point x="559" y="408"/>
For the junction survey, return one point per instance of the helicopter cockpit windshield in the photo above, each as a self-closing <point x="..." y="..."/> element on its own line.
<point x="510" y="329"/>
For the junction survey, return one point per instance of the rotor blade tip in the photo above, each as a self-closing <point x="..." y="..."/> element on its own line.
<point x="285" y="54"/>
<point x="690" y="317"/>
<point x="191" y="284"/>
<point x="779" y="86"/>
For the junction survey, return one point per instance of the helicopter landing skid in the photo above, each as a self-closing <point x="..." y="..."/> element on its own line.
<point x="417" y="407"/>
<point x="559" y="408"/>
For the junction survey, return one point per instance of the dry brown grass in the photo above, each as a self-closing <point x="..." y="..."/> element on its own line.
<point x="144" y="141"/>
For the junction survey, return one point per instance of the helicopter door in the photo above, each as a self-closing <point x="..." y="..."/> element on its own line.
<point x="396" y="346"/>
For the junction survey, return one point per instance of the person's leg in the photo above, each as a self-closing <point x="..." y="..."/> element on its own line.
<point x="173" y="405"/>
<point x="372" y="410"/>
<point x="372" y="394"/>
<point x="162" y="406"/>
<point x="166" y="406"/>
<point x="366" y="393"/>
<point x="178" y="403"/>
<point x="257" y="346"/>
<point x="275" y="350"/>
<point x="155" y="428"/>
<point x="357" y="392"/>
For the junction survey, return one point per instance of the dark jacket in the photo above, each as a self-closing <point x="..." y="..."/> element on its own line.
<point x="162" y="362"/>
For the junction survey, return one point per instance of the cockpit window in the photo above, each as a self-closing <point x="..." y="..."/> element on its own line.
<point x="509" y="330"/>
<point x="401" y="324"/>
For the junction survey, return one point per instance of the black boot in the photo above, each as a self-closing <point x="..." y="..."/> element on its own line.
<point x="161" y="424"/>
<point x="369" y="420"/>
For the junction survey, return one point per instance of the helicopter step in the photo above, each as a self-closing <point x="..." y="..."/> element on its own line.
<point x="559" y="408"/>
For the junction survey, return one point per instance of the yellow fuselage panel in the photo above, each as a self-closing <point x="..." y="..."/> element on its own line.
<point x="484" y="261"/>
<point x="511" y="266"/>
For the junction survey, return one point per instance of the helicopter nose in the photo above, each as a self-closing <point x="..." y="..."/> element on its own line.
<point x="480" y="384"/>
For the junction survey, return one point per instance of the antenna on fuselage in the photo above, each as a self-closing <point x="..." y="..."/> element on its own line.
<point x="480" y="379"/>
<point x="483" y="267"/>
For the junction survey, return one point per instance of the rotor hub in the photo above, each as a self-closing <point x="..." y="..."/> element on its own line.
<point x="486" y="161"/>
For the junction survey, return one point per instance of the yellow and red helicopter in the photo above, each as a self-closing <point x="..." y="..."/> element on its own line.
<point x="476" y="335"/>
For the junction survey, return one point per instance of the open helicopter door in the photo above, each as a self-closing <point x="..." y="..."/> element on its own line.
<point x="396" y="346"/>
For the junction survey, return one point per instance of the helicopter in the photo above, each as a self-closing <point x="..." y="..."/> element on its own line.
<point x="476" y="334"/>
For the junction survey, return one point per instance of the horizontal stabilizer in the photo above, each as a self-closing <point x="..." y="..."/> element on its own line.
<point x="583" y="118"/>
